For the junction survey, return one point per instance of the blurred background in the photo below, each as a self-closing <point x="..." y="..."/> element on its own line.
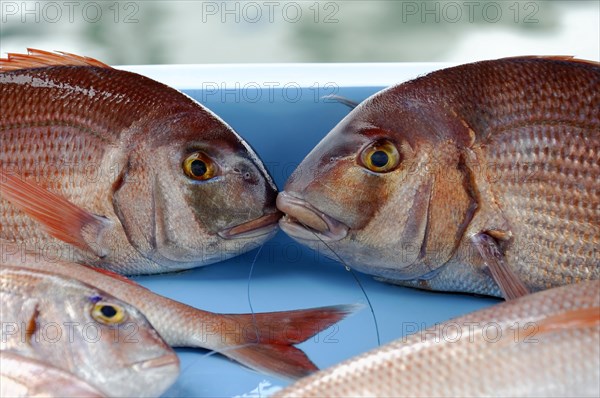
<point x="189" y="32"/>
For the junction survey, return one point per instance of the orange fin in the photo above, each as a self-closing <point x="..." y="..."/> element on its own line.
<point x="281" y="360"/>
<point x="59" y="217"/>
<point x="264" y="341"/>
<point x="580" y="318"/>
<point x="40" y="59"/>
<point x="568" y="58"/>
<point x="511" y="286"/>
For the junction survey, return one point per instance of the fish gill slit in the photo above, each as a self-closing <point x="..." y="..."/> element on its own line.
<point x="423" y="249"/>
<point x="469" y="186"/>
<point x="120" y="180"/>
<point x="360" y="285"/>
<point x="32" y="326"/>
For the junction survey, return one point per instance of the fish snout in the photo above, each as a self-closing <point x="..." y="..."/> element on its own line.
<point x="264" y="225"/>
<point x="304" y="221"/>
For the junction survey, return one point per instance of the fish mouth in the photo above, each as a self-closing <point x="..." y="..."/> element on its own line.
<point x="260" y="226"/>
<point x="159" y="362"/>
<point x="304" y="221"/>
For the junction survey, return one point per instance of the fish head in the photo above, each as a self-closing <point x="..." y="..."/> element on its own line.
<point x="87" y="332"/>
<point x="384" y="190"/>
<point x="108" y="343"/>
<point x="206" y="194"/>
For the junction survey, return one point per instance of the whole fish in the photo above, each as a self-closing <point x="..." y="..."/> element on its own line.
<point x="110" y="168"/>
<point x="84" y="331"/>
<point x="262" y="341"/>
<point x="481" y="178"/>
<point x="542" y="345"/>
<point x="25" y="377"/>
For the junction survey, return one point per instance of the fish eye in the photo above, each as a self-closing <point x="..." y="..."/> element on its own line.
<point x="108" y="313"/>
<point x="198" y="166"/>
<point x="380" y="157"/>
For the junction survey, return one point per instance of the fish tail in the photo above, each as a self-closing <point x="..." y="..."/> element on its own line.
<point x="265" y="341"/>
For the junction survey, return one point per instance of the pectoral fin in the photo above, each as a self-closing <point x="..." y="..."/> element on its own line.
<point x="510" y="284"/>
<point x="57" y="216"/>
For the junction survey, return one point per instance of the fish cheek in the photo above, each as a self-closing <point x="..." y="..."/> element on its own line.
<point x="226" y="202"/>
<point x="348" y="192"/>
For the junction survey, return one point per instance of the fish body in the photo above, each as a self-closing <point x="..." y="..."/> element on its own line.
<point x="110" y="168"/>
<point x="261" y="341"/>
<point x="481" y="178"/>
<point x="545" y="344"/>
<point x="83" y="331"/>
<point x="25" y="377"/>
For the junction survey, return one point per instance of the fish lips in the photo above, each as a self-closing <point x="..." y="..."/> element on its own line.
<point x="305" y="222"/>
<point x="161" y="373"/>
<point x="265" y="225"/>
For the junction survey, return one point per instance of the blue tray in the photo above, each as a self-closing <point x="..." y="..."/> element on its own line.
<point x="280" y="111"/>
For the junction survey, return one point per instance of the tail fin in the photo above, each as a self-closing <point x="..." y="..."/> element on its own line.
<point x="264" y="341"/>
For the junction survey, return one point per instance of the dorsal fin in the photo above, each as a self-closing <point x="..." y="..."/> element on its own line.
<point x="567" y="58"/>
<point x="40" y="59"/>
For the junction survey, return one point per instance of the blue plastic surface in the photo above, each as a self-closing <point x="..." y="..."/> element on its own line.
<point x="286" y="275"/>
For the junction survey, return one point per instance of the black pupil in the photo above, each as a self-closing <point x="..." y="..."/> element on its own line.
<point x="108" y="311"/>
<point x="379" y="158"/>
<point x="198" y="168"/>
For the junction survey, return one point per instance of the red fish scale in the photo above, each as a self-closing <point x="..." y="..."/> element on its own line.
<point x="543" y="139"/>
<point x="550" y="210"/>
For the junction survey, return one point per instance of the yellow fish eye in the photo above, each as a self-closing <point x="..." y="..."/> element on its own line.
<point x="108" y="313"/>
<point x="198" y="166"/>
<point x="380" y="157"/>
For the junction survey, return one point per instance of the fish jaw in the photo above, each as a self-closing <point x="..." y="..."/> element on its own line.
<point x="305" y="222"/>
<point x="160" y="373"/>
<point x="265" y="226"/>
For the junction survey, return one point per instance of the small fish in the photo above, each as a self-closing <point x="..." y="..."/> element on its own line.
<point x="545" y="344"/>
<point x="84" y="331"/>
<point x="481" y="178"/>
<point x="116" y="170"/>
<point x="262" y="341"/>
<point x="25" y="377"/>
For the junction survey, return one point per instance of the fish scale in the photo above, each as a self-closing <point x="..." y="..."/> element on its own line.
<point x="544" y="207"/>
